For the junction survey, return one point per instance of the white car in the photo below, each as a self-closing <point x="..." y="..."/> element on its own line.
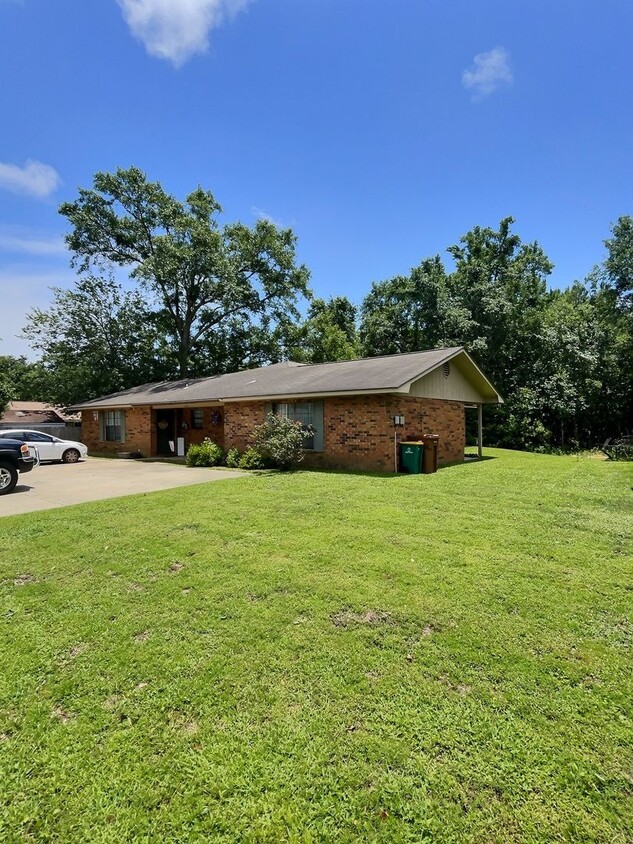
<point x="49" y="447"/>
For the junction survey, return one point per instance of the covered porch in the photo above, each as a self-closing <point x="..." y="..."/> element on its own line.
<point x="175" y="428"/>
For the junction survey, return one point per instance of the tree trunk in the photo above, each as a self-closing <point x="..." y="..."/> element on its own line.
<point x="184" y="350"/>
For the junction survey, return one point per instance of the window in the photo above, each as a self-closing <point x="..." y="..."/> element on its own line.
<point x="113" y="426"/>
<point x="197" y="417"/>
<point x="310" y="414"/>
<point x="35" y="437"/>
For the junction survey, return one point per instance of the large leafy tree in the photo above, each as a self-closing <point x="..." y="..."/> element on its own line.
<point x="196" y="274"/>
<point x="619" y="262"/>
<point x="28" y="380"/>
<point x="329" y="332"/>
<point x="492" y="303"/>
<point x="411" y="313"/>
<point x="501" y="283"/>
<point x="97" y="338"/>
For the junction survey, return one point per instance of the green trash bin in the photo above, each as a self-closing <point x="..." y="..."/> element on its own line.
<point x="411" y="457"/>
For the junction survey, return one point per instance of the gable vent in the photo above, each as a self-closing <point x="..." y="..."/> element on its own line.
<point x="447" y="370"/>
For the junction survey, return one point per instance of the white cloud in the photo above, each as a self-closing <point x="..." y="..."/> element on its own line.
<point x="264" y="215"/>
<point x="24" y="242"/>
<point x="489" y="72"/>
<point x="177" y="29"/>
<point x="35" y="178"/>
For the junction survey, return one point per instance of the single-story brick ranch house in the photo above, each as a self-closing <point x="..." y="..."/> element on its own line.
<point x="350" y="406"/>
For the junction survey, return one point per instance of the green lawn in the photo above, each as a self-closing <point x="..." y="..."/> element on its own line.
<point x="324" y="657"/>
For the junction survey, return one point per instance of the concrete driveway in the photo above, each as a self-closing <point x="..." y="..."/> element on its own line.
<point x="59" y="484"/>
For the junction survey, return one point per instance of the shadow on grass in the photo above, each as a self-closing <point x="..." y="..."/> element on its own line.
<point x="384" y="475"/>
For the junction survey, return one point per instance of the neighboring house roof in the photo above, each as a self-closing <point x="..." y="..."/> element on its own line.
<point x="25" y="413"/>
<point x="388" y="374"/>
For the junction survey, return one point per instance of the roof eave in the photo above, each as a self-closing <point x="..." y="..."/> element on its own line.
<point x="311" y="394"/>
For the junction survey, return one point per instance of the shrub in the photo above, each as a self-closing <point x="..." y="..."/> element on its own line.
<point x="619" y="451"/>
<point x="280" y="441"/>
<point x="251" y="459"/>
<point x="207" y="453"/>
<point x="232" y="458"/>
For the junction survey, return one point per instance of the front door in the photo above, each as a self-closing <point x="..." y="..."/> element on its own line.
<point x="165" y="432"/>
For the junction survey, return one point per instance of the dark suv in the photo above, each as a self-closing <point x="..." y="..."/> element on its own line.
<point x="15" y="457"/>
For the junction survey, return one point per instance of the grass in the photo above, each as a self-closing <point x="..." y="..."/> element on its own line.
<point x="324" y="657"/>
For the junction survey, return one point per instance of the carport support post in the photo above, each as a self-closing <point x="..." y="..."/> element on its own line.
<point x="480" y="430"/>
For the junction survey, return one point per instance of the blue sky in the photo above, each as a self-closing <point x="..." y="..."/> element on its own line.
<point x="379" y="131"/>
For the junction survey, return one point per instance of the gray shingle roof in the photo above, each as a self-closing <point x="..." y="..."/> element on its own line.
<point x="288" y="379"/>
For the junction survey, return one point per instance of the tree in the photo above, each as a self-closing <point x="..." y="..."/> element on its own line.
<point x="328" y="334"/>
<point x="492" y="303"/>
<point x="501" y="283"/>
<point x="7" y="394"/>
<point x="29" y="379"/>
<point x="411" y="313"/>
<point x="97" y="338"/>
<point x="619" y="263"/>
<point x="197" y="275"/>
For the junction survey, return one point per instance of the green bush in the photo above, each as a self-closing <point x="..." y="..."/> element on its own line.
<point x="251" y="459"/>
<point x="207" y="453"/>
<point x="232" y="458"/>
<point x="619" y="451"/>
<point x="280" y="441"/>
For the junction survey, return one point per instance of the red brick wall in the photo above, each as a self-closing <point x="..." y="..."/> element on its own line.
<point x="211" y="429"/>
<point x="138" y="433"/>
<point x="432" y="416"/>
<point x="240" y="419"/>
<point x="358" y="433"/>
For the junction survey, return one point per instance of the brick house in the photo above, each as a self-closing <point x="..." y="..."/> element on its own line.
<point x="349" y="405"/>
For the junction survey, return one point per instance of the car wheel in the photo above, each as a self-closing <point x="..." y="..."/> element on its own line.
<point x="8" y="478"/>
<point x="71" y="455"/>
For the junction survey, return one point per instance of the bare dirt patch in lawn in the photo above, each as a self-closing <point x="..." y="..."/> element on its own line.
<point x="25" y="580"/>
<point x="347" y="618"/>
<point x="143" y="636"/>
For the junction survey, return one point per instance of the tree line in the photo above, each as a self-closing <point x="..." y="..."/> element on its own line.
<point x="165" y="291"/>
